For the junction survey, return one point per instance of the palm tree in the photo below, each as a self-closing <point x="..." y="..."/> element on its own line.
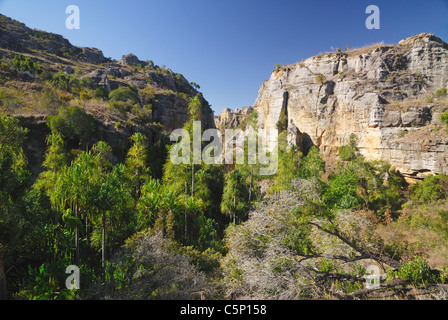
<point x="235" y="196"/>
<point x="136" y="163"/>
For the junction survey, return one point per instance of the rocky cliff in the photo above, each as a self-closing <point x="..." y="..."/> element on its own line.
<point x="388" y="95"/>
<point x="229" y="118"/>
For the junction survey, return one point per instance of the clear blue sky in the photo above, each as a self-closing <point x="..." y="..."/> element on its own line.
<point x="229" y="47"/>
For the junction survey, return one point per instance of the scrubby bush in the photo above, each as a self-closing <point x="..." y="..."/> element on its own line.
<point x="123" y="99"/>
<point x="72" y="123"/>
<point x="118" y="107"/>
<point x="432" y="188"/>
<point x="10" y="101"/>
<point x="101" y="93"/>
<point x="124" y="94"/>
<point x="444" y="119"/>
<point x="23" y="64"/>
<point x="282" y="123"/>
<point x="143" y="114"/>
<point x="320" y="79"/>
<point x="416" y="271"/>
<point x="149" y="268"/>
<point x="85" y="95"/>
<point x="441" y="93"/>
<point x="147" y="95"/>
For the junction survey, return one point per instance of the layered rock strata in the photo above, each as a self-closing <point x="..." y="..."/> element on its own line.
<point x="388" y="95"/>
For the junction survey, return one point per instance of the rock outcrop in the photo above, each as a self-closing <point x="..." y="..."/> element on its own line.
<point x="229" y="119"/>
<point x="385" y="94"/>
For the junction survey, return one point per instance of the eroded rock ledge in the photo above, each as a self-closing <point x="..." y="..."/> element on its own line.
<point x="385" y="94"/>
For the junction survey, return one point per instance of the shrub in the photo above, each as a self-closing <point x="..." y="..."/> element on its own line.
<point x="416" y="271"/>
<point x="147" y="95"/>
<point x="143" y="114"/>
<point x="9" y="101"/>
<point x="119" y="107"/>
<point x="72" y="123"/>
<point x="86" y="83"/>
<point x="124" y="94"/>
<point x="282" y="123"/>
<point x="320" y="79"/>
<point x="101" y="93"/>
<point x="444" y="119"/>
<point x="22" y="64"/>
<point x="441" y="92"/>
<point x="50" y="100"/>
<point x="122" y="100"/>
<point x="432" y="188"/>
<point x="85" y="95"/>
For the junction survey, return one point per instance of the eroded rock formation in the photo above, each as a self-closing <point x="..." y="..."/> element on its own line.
<point x="385" y="94"/>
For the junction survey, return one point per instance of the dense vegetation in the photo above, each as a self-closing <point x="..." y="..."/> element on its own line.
<point x="208" y="231"/>
<point x="140" y="227"/>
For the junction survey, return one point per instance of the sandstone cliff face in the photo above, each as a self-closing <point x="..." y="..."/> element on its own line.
<point x="230" y="119"/>
<point x="385" y="94"/>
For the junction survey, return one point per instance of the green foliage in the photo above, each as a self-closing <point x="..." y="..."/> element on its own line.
<point x="288" y="168"/>
<point x="137" y="169"/>
<point x="282" y="123"/>
<point x="441" y="93"/>
<point x="49" y="100"/>
<point x="101" y="93"/>
<point x="326" y="266"/>
<point x="123" y="99"/>
<point x="432" y="188"/>
<point x="342" y="191"/>
<point x="124" y="94"/>
<point x="235" y="199"/>
<point x="444" y="119"/>
<point x="312" y="166"/>
<point x="72" y="123"/>
<point x="416" y="271"/>
<point x="23" y="64"/>
<point x="143" y="114"/>
<point x="63" y="81"/>
<point x="349" y="152"/>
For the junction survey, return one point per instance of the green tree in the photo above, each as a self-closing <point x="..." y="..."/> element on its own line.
<point x="350" y="151"/>
<point x="312" y="166"/>
<point x="110" y="196"/>
<point x="189" y="181"/>
<point x="235" y="196"/>
<point x="137" y="169"/>
<point x="73" y="123"/>
<point x="432" y="188"/>
<point x="125" y="97"/>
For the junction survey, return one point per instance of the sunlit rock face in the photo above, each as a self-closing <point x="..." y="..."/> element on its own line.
<point x="385" y="94"/>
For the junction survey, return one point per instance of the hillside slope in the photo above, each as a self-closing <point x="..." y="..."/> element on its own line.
<point x="41" y="72"/>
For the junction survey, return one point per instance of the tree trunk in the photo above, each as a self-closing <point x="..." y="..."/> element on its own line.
<point x="76" y="237"/>
<point x="3" y="293"/>
<point x="103" y="242"/>
<point x="87" y="228"/>
<point x="234" y="210"/>
<point x="250" y="188"/>
<point x="186" y="198"/>
<point x="192" y="181"/>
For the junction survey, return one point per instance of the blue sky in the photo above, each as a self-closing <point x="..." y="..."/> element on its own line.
<point x="229" y="47"/>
